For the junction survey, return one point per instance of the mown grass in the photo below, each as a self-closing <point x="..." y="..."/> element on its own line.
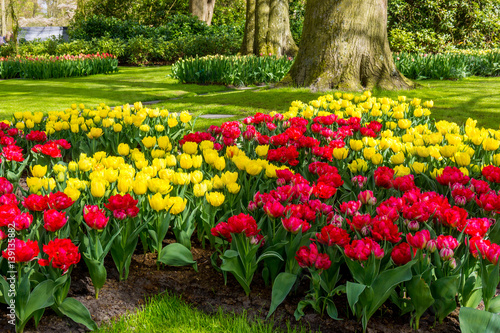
<point x="168" y="313"/>
<point x="130" y="84"/>
<point x="475" y="97"/>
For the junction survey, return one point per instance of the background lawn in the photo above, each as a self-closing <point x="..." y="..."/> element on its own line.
<point x="475" y="97"/>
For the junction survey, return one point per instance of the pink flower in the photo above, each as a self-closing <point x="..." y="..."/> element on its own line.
<point x="401" y="253"/>
<point x="21" y="251"/>
<point x="294" y="224"/>
<point x="310" y="257"/>
<point x="367" y="198"/>
<point x="419" y="241"/>
<point x="54" y="220"/>
<point x="331" y="235"/>
<point x="362" y="249"/>
<point x="95" y="217"/>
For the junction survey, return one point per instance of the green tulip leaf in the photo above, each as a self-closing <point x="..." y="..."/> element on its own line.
<point x="176" y="254"/>
<point x="473" y="321"/>
<point x="75" y="310"/>
<point x="281" y="288"/>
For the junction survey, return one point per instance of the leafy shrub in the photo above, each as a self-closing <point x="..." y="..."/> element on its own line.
<point x="434" y="25"/>
<point x="233" y="70"/>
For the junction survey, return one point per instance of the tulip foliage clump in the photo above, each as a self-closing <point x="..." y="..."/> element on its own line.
<point x="53" y="67"/>
<point x="360" y="195"/>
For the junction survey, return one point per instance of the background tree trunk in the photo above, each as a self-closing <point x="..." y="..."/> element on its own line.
<point x="267" y="29"/>
<point x="203" y="9"/>
<point x="248" y="36"/>
<point x="344" y="45"/>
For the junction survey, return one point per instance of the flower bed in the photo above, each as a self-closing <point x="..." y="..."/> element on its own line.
<point x="232" y="70"/>
<point x="456" y="64"/>
<point x="53" y="67"/>
<point x="405" y="209"/>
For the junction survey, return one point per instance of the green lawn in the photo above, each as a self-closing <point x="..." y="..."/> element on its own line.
<point x="130" y="84"/>
<point x="474" y="97"/>
<point x="168" y="313"/>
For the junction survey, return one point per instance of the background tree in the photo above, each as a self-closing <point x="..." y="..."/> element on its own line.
<point x="267" y="28"/>
<point x="202" y="9"/>
<point x="344" y="46"/>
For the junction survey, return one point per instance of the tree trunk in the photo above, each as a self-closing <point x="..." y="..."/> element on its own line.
<point x="267" y="29"/>
<point x="203" y="9"/>
<point x="345" y="46"/>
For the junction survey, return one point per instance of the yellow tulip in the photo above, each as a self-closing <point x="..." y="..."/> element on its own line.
<point x="185" y="117"/>
<point x="190" y="148"/>
<point x="253" y="168"/>
<point x="166" y="174"/>
<point x="356" y="145"/>
<point x="233" y="188"/>
<point x="401" y="170"/>
<point x="377" y="159"/>
<point x="124" y="184"/>
<point x="210" y="156"/>
<point x="170" y="160"/>
<point x="94" y="133"/>
<point x="111" y="175"/>
<point x="490" y="144"/>
<point x="149" y="141"/>
<point x="496" y="159"/>
<point x="164" y="143"/>
<point x="399" y="158"/>
<point x="175" y="205"/>
<point x="181" y="178"/>
<point x="144" y="128"/>
<point x="229" y="177"/>
<point x="200" y="189"/>
<point x="196" y="177"/>
<point x="437" y="172"/>
<point x="39" y="171"/>
<point x="157" y="153"/>
<point x="448" y="151"/>
<point x="172" y="122"/>
<point x="197" y="160"/>
<point x="358" y="165"/>
<point x="156" y="202"/>
<point x="423" y="151"/>
<point x="206" y="144"/>
<point x="140" y="186"/>
<point x="340" y="153"/>
<point x="418" y="167"/>
<point x="462" y="159"/>
<point x="98" y="187"/>
<point x="84" y="165"/>
<point x="220" y="163"/>
<point x="185" y="161"/>
<point x="368" y="153"/>
<point x="71" y="192"/>
<point x="215" y="198"/>
<point x="217" y="182"/>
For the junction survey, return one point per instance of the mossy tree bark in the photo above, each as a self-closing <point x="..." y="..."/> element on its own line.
<point x="267" y="29"/>
<point x="344" y="46"/>
<point x="203" y="9"/>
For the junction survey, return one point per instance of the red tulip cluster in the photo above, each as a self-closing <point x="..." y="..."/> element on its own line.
<point x="95" y="217"/>
<point x="122" y="206"/>
<point x="62" y="254"/>
<point x="237" y="224"/>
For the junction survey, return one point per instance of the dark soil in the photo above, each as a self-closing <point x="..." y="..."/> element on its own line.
<point x="205" y="290"/>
